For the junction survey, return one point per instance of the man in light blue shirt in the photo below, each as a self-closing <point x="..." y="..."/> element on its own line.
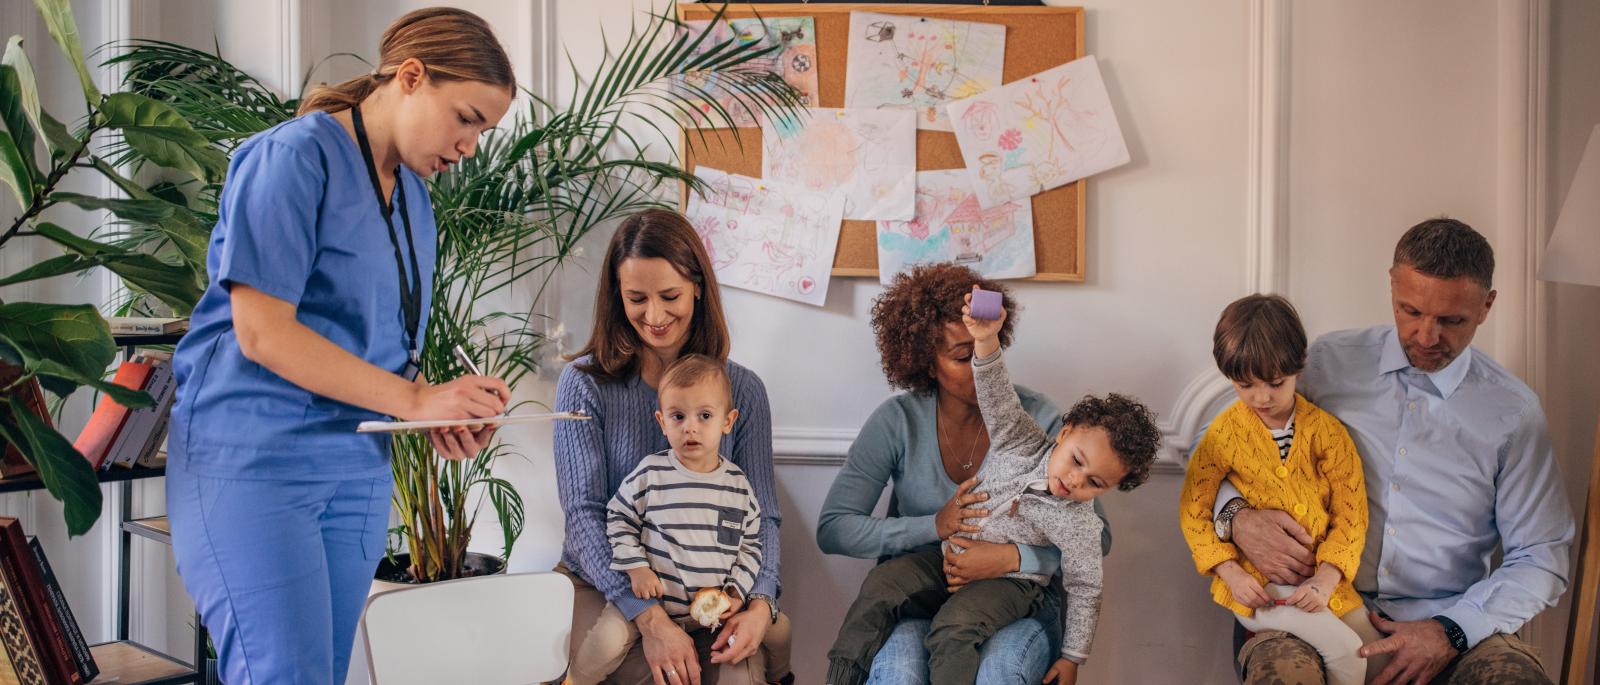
<point x="1458" y="464"/>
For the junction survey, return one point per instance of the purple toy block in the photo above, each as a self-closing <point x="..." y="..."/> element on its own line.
<point x="986" y="304"/>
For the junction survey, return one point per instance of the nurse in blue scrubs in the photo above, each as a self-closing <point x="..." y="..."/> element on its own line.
<point x="321" y="267"/>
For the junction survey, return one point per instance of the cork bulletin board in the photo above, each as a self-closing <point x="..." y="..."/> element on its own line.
<point x="1037" y="38"/>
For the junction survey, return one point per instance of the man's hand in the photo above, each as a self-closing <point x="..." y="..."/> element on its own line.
<point x="1245" y="588"/>
<point x="1062" y="672"/>
<point x="1421" y="651"/>
<point x="668" y="649"/>
<point x="978" y="561"/>
<point x="951" y="518"/>
<point x="1278" y="546"/>
<point x="741" y="636"/>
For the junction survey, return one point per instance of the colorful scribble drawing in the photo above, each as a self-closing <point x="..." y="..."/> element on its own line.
<point x="869" y="156"/>
<point x="1039" y="132"/>
<point x="950" y="226"/>
<point x="767" y="236"/>
<point x="796" y="63"/>
<point x="920" y="63"/>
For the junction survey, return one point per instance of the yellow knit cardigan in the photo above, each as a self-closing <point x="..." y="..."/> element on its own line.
<point x="1320" y="485"/>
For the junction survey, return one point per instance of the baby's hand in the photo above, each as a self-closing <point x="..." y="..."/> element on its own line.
<point x="735" y="604"/>
<point x="1245" y="588"/>
<point x="645" y="583"/>
<point x="981" y="329"/>
<point x="1062" y="672"/>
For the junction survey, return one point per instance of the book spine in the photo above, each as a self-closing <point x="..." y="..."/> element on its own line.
<point x="81" y="655"/>
<point x="54" y="655"/>
<point x="21" y="645"/>
<point x="136" y="328"/>
<point x="136" y="433"/>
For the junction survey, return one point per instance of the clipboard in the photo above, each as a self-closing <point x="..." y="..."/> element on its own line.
<point x="502" y="420"/>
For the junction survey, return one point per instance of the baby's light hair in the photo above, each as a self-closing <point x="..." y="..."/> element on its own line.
<point x="689" y="370"/>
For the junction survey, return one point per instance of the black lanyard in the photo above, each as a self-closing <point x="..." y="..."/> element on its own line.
<point x="410" y="288"/>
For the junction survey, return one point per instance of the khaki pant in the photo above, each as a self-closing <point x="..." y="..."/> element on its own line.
<point x="1336" y="638"/>
<point x="1500" y="659"/>
<point x="605" y="646"/>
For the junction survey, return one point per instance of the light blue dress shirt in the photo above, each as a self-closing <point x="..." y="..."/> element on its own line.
<point x="1458" y="463"/>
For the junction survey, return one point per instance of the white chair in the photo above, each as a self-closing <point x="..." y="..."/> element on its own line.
<point x="495" y="630"/>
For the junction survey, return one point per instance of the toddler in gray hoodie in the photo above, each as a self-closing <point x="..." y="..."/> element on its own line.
<point x="1041" y="490"/>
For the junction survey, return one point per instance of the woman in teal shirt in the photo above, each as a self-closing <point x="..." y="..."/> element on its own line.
<point x="321" y="264"/>
<point x="930" y="441"/>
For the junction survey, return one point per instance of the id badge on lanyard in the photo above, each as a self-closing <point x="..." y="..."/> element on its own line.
<point x="410" y="287"/>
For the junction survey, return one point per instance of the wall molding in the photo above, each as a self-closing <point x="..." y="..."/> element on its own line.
<point x="1200" y="400"/>
<point x="1266" y="225"/>
<point x="1523" y="306"/>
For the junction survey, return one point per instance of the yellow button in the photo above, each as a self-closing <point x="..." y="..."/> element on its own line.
<point x="1300" y="509"/>
<point x="1283" y="472"/>
<point x="1335" y="604"/>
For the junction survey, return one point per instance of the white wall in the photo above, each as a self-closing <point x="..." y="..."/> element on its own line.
<point x="1274" y="146"/>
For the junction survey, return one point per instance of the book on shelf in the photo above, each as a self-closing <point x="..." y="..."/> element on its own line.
<point x="31" y="396"/>
<point x="82" y="657"/>
<point x="29" y="592"/>
<point x="144" y="424"/>
<point x="98" y="436"/>
<point x="22" y="663"/>
<point x="142" y="325"/>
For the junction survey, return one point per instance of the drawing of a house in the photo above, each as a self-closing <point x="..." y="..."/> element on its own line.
<point x="974" y="231"/>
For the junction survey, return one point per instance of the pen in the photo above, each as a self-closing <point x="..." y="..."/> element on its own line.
<point x="461" y="356"/>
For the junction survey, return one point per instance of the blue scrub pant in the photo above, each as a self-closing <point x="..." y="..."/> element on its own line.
<point x="279" y="570"/>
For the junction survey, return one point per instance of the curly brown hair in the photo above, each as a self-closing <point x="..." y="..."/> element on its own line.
<point x="908" y="320"/>
<point x="1131" y="427"/>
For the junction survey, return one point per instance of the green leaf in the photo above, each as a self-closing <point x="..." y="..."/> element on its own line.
<point x="73" y="336"/>
<point x="186" y="231"/>
<point x="162" y="135"/>
<point x="57" y="16"/>
<point x="144" y="211"/>
<point x="56" y="135"/>
<point x="66" y="474"/>
<point x="127" y="397"/>
<point x="55" y="266"/>
<point x="14" y="115"/>
<point x="14" y="171"/>
<point x="27" y="89"/>
<point x="175" y="285"/>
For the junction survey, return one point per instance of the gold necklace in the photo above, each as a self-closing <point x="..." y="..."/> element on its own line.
<point x="971" y="449"/>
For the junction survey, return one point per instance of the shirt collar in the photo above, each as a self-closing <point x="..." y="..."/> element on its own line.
<point x="1446" y="380"/>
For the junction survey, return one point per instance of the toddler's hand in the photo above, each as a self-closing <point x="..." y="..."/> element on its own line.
<point x="646" y="585"/>
<point x="1312" y="596"/>
<point x="981" y="329"/>
<point x="1245" y="588"/>
<point x="1062" y="672"/>
<point x="735" y="605"/>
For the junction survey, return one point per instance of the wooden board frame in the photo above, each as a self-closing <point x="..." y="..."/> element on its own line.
<point x="1033" y="44"/>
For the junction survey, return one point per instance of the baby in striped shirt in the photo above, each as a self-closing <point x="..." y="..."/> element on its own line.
<point x="686" y="519"/>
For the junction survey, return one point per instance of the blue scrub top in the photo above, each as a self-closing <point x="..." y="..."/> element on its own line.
<point x="298" y="221"/>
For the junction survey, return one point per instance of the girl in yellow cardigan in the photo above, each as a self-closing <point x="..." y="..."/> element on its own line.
<point x="1283" y="453"/>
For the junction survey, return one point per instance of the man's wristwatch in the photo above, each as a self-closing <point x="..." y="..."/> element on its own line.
<point x="1457" y="636"/>
<point x="1224" y="519"/>
<point x="772" y="603"/>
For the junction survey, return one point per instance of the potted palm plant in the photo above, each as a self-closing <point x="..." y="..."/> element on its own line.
<point x="509" y="215"/>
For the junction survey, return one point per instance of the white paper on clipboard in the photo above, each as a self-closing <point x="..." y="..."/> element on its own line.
<point x="415" y="426"/>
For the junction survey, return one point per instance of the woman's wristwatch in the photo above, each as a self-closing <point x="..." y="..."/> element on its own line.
<point x="1224" y="518"/>
<point x="772" y="603"/>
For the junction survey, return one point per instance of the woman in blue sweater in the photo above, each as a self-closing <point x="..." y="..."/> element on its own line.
<point x="657" y="299"/>
<point x="929" y="441"/>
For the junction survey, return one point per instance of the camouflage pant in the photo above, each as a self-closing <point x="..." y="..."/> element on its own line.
<point x="1278" y="658"/>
